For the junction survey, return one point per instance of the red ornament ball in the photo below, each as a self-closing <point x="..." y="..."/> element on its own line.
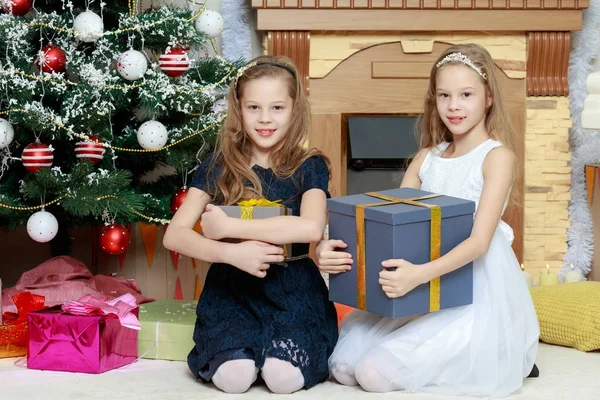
<point x="17" y="8"/>
<point x="51" y="59"/>
<point x="37" y="156"/>
<point x="178" y="198"/>
<point x="90" y="149"/>
<point x="114" y="239"/>
<point x="174" y="62"/>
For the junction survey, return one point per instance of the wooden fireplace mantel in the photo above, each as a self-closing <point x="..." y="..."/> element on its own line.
<point x="376" y="51"/>
<point x="419" y="15"/>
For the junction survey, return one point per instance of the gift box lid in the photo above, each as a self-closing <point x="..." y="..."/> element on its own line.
<point x="396" y="214"/>
<point x="168" y="314"/>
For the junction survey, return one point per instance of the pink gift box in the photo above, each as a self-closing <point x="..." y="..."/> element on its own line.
<point x="79" y="343"/>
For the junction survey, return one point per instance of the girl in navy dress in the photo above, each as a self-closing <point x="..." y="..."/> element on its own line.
<point x="259" y="310"/>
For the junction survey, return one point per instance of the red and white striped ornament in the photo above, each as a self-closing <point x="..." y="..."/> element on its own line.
<point x="90" y="149"/>
<point x="174" y="62"/>
<point x="37" y="156"/>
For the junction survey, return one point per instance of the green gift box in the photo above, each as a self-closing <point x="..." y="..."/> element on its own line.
<point x="167" y="329"/>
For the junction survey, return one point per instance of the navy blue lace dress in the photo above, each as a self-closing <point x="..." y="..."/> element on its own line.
<point x="286" y="315"/>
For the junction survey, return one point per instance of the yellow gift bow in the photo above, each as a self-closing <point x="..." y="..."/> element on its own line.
<point x="434" y="243"/>
<point x="247" y="211"/>
<point x="247" y="206"/>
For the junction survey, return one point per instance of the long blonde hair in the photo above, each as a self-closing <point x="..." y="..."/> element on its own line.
<point x="234" y="147"/>
<point x="497" y="120"/>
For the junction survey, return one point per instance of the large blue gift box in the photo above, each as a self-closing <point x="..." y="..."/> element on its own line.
<point x="411" y="224"/>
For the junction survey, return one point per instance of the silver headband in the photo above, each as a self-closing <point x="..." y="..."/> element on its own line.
<point x="459" y="57"/>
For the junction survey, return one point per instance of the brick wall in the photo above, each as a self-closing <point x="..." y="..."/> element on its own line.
<point x="547" y="182"/>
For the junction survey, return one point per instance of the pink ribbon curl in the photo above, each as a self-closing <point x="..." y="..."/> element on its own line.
<point x="121" y="306"/>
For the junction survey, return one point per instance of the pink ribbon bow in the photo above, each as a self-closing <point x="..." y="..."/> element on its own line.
<point x="121" y="307"/>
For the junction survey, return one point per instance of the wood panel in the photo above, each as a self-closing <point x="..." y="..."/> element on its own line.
<point x="159" y="280"/>
<point x="384" y="70"/>
<point x="350" y="89"/>
<point x="548" y="63"/>
<point x="425" y="4"/>
<point x="326" y="135"/>
<point x="328" y="49"/>
<point x="295" y="45"/>
<point x="513" y="91"/>
<point x="418" y="20"/>
<point x="594" y="204"/>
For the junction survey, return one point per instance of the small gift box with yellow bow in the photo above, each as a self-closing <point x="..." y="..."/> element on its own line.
<point x="408" y="224"/>
<point x="258" y="209"/>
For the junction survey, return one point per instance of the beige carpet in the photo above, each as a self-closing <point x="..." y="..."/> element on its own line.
<point x="566" y="374"/>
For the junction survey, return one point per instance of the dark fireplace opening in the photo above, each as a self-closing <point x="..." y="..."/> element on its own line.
<point x="378" y="150"/>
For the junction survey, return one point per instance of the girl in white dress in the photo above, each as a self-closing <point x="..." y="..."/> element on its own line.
<point x="488" y="347"/>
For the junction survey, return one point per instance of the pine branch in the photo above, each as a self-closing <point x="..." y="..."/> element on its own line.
<point x="91" y="98"/>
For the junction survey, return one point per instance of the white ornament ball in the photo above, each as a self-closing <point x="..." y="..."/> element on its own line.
<point x="42" y="226"/>
<point x="7" y="133"/>
<point x="219" y="106"/>
<point x="132" y="65"/>
<point x="210" y="23"/>
<point x="152" y="135"/>
<point x="89" y="27"/>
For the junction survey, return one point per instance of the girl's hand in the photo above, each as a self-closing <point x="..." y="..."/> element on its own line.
<point x="215" y="223"/>
<point x="406" y="277"/>
<point x="254" y="257"/>
<point x="330" y="260"/>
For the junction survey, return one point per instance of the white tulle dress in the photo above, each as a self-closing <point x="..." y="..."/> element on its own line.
<point x="484" y="349"/>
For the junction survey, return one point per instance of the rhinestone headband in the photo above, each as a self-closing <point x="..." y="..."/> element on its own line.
<point x="459" y="57"/>
<point x="242" y="71"/>
<point x="245" y="68"/>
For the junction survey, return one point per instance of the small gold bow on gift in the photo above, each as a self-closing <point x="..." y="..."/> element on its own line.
<point x="247" y="212"/>
<point x="247" y="206"/>
<point x="434" y="244"/>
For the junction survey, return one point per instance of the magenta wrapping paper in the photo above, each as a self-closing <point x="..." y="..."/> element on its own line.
<point x="88" y="344"/>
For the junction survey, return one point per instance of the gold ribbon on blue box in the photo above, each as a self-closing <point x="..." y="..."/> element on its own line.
<point x="247" y="211"/>
<point x="247" y="206"/>
<point x="434" y="243"/>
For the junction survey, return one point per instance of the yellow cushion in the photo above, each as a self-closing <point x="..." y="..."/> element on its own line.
<point x="569" y="314"/>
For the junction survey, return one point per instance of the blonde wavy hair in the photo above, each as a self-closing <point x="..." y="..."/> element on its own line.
<point x="234" y="148"/>
<point x="497" y="119"/>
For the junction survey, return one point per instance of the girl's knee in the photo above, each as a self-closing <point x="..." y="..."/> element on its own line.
<point x="282" y="377"/>
<point x="343" y="374"/>
<point x="235" y="376"/>
<point x="369" y="378"/>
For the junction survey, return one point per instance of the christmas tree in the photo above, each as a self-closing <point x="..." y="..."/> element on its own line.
<point x="105" y="112"/>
